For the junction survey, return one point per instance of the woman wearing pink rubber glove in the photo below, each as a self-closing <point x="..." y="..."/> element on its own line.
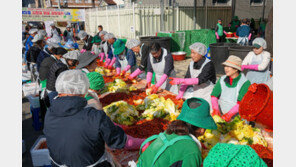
<point x="220" y="33"/>
<point x="141" y="50"/>
<point x="229" y="89"/>
<point x="200" y="74"/>
<point x="103" y="46"/>
<point x="110" y="60"/>
<point x="125" y="59"/>
<point x="162" y="63"/>
<point x="257" y="62"/>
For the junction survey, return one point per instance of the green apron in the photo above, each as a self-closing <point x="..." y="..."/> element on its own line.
<point x="220" y="29"/>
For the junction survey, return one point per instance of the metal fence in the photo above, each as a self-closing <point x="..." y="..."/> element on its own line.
<point x="134" y="21"/>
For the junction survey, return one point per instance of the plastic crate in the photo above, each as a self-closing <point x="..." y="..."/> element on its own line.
<point x="31" y="88"/>
<point x="40" y="157"/>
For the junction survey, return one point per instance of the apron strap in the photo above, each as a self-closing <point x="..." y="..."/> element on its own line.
<point x="146" y="141"/>
<point x="167" y="144"/>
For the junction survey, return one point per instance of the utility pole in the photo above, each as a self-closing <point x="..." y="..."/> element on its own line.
<point x="161" y="15"/>
<point x="194" y="17"/>
<point x="59" y="5"/>
<point x="233" y="8"/>
<point x="263" y="11"/>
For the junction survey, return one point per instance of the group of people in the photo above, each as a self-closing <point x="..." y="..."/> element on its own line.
<point x="77" y="128"/>
<point x="244" y="29"/>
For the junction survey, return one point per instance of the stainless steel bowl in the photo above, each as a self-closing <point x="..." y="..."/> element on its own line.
<point x="179" y="53"/>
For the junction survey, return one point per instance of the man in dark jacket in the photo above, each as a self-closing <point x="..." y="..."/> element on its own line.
<point x="69" y="61"/>
<point x="76" y="134"/>
<point x="32" y="54"/>
<point x="46" y="52"/>
<point x="57" y="53"/>
<point x="86" y="39"/>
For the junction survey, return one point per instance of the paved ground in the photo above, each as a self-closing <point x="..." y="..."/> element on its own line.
<point x="28" y="133"/>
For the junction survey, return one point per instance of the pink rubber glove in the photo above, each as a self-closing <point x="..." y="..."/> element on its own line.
<point x="186" y="81"/>
<point x="181" y="91"/>
<point x="234" y="110"/>
<point x="249" y="36"/>
<point x="118" y="70"/>
<point x="215" y="106"/>
<point x="163" y="78"/>
<point x="217" y="36"/>
<point x="112" y="62"/>
<point x="83" y="50"/>
<point x="107" y="62"/>
<point x="250" y="67"/>
<point x="225" y="32"/>
<point x="133" y="143"/>
<point x="101" y="55"/>
<point x="135" y="73"/>
<point x="149" y="77"/>
<point x="127" y="67"/>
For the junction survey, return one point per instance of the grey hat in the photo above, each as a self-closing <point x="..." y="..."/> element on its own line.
<point x="37" y="37"/>
<point x="82" y="34"/>
<point x="52" y="24"/>
<point x="85" y="59"/>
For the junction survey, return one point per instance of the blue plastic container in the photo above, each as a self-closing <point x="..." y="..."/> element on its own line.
<point x="37" y="123"/>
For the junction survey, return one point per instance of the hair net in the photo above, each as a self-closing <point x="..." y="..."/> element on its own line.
<point x="132" y="43"/>
<point x="199" y="48"/>
<point x="261" y="42"/>
<point x="52" y="24"/>
<point x="82" y="34"/>
<point x="109" y="36"/>
<point x="52" y="43"/>
<point x="71" y="55"/>
<point x="33" y="30"/>
<point x="102" y="33"/>
<point x="72" y="82"/>
<point x="68" y="26"/>
<point x="37" y="37"/>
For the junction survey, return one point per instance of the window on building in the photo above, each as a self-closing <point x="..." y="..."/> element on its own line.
<point x="256" y="2"/>
<point x="221" y="2"/>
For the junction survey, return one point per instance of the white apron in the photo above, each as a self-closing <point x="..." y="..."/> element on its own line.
<point x="258" y="76"/>
<point x="158" y="68"/>
<point x="69" y="36"/>
<point x="203" y="90"/>
<point x="228" y="97"/>
<point x="104" y="157"/>
<point x="55" y="34"/>
<point x="96" y="49"/>
<point x="124" y="63"/>
<point x="243" y="40"/>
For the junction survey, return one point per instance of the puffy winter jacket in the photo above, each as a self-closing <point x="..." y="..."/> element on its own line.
<point x="53" y="73"/>
<point x="33" y="53"/>
<point x="45" y="66"/>
<point x="76" y="135"/>
<point x="42" y="55"/>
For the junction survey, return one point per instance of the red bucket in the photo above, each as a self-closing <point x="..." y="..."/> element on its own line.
<point x="257" y="105"/>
